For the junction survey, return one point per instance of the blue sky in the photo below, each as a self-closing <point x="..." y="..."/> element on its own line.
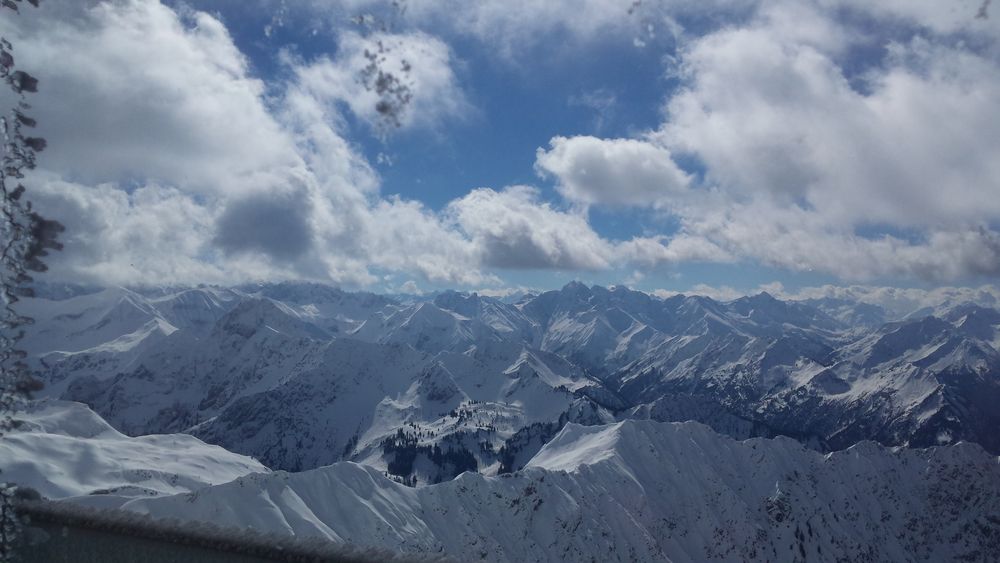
<point x="667" y="145"/>
<point x="519" y="103"/>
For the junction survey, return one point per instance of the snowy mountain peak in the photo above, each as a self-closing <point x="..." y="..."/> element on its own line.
<point x="628" y="444"/>
<point x="63" y="449"/>
<point x="64" y="418"/>
<point x="575" y="446"/>
<point x="253" y="315"/>
<point x="575" y="288"/>
<point x="466" y="304"/>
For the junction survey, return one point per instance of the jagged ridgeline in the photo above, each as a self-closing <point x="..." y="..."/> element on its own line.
<point x="302" y="375"/>
<point x="640" y="491"/>
<point x="544" y="422"/>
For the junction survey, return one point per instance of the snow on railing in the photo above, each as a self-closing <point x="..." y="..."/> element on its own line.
<point x="78" y="530"/>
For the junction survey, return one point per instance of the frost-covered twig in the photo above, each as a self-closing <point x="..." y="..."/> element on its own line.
<point x="24" y="239"/>
<point x="391" y="85"/>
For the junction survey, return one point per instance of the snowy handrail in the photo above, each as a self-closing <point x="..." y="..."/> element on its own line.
<point x="201" y="535"/>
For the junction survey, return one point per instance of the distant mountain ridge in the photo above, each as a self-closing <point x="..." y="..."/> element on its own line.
<point x="303" y="375"/>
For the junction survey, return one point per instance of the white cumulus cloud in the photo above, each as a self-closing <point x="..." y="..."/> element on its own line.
<point x="589" y="171"/>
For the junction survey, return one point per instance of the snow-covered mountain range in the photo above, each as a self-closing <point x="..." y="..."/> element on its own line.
<point x="642" y="491"/>
<point x="561" y="415"/>
<point x="303" y="375"/>
<point x="635" y="490"/>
